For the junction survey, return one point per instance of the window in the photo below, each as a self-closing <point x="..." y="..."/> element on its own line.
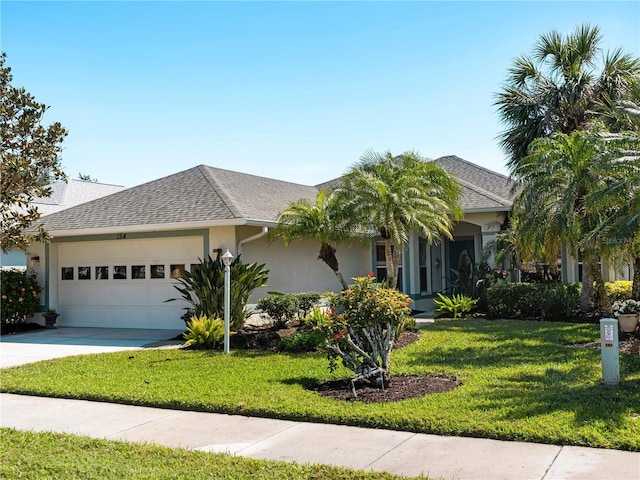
<point x="177" y="270"/>
<point x="84" y="273"/>
<point x="157" y="271"/>
<point x="381" y="266"/>
<point x="120" y="272"/>
<point x="422" y="260"/>
<point x="137" y="271"/>
<point x="67" y="273"/>
<point x="102" y="273"/>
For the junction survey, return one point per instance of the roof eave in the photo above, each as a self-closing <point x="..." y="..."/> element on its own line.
<point x="504" y="209"/>
<point x="149" y="228"/>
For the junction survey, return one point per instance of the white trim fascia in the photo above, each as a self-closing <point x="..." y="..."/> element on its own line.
<point x="506" y="209"/>
<point x="162" y="227"/>
<point x="260" y="223"/>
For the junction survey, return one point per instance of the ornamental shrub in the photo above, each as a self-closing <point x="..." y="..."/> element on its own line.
<point x="284" y="308"/>
<point x="360" y="327"/>
<point x="620" y="290"/>
<point x="546" y="301"/>
<point x="204" y="332"/>
<point x="281" y="308"/>
<point x="306" y="301"/>
<point x="454" y="306"/>
<point x="20" y="296"/>
<point x="203" y="288"/>
<point x="302" y="341"/>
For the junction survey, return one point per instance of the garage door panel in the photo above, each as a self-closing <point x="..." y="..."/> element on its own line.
<point x="122" y="317"/>
<point x="124" y="303"/>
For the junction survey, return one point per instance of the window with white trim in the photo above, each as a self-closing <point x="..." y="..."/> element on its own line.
<point x="381" y="265"/>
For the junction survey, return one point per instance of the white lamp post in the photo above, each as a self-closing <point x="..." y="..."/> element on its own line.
<point x="226" y="259"/>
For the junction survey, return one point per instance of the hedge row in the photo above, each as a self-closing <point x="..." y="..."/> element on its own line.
<point x="547" y="301"/>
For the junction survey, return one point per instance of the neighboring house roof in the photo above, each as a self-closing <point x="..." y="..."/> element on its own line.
<point x="203" y="196"/>
<point x="72" y="192"/>
<point x="199" y="195"/>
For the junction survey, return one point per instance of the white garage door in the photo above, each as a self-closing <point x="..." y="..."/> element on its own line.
<point x="123" y="283"/>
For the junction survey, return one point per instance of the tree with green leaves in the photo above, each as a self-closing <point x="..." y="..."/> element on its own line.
<point x="392" y="197"/>
<point x="321" y="221"/>
<point x="30" y="160"/>
<point x="87" y="178"/>
<point x="622" y="114"/>
<point x="561" y="87"/>
<point x="620" y="199"/>
<point x="551" y="210"/>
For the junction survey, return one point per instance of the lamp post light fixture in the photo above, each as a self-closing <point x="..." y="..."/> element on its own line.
<point x="227" y="257"/>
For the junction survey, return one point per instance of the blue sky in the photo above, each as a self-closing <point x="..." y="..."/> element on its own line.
<point x="289" y="90"/>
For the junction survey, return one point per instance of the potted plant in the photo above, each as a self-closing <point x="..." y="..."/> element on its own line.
<point x="50" y="317"/>
<point x="628" y="314"/>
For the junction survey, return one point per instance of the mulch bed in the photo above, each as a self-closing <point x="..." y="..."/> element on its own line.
<point x="400" y="388"/>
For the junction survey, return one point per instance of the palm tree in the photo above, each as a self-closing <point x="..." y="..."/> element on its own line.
<point x="555" y="180"/>
<point x="394" y="196"/>
<point x="621" y="200"/>
<point x="622" y="114"/>
<point x="622" y="227"/>
<point x="321" y="221"/>
<point x="560" y="89"/>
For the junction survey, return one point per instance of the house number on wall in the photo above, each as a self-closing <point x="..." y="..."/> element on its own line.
<point x="121" y="236"/>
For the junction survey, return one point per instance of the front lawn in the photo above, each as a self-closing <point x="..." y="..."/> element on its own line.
<point x="520" y="381"/>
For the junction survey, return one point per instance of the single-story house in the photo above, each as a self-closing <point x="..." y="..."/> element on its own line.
<point x="112" y="261"/>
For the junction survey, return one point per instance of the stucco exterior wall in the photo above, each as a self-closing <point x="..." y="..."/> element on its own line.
<point x="296" y="268"/>
<point x="223" y="238"/>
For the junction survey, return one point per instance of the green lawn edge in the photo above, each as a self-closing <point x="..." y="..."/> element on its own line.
<point x="32" y="455"/>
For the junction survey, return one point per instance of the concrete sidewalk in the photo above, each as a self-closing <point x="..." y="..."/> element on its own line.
<point x="402" y="453"/>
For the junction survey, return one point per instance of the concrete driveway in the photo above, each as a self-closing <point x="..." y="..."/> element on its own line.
<point x="45" y="344"/>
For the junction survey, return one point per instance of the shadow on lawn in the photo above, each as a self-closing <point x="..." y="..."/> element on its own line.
<point x="520" y="378"/>
<point x="556" y="390"/>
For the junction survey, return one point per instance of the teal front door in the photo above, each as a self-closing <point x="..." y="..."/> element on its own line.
<point x="461" y="262"/>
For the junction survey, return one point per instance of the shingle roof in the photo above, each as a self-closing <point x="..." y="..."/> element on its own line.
<point x="208" y="194"/>
<point x="199" y="194"/>
<point x="257" y="198"/>
<point x="481" y="188"/>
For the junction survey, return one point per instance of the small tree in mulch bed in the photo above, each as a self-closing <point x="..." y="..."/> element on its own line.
<point x="360" y="328"/>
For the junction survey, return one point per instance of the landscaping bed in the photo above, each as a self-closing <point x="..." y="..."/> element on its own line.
<point x="399" y="388"/>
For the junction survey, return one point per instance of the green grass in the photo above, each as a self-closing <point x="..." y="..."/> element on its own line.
<point x="49" y="455"/>
<point x="520" y="381"/>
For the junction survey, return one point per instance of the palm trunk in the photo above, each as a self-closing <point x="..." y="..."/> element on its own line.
<point x="605" y="303"/>
<point x="397" y="255"/>
<point x="392" y="275"/>
<point x="328" y="256"/>
<point x="635" y="289"/>
<point x="586" y="296"/>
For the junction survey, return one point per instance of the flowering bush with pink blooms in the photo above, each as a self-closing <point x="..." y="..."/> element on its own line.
<point x="360" y="327"/>
<point x="20" y="296"/>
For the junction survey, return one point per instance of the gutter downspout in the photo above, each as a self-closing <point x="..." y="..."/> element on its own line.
<point x="264" y="231"/>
